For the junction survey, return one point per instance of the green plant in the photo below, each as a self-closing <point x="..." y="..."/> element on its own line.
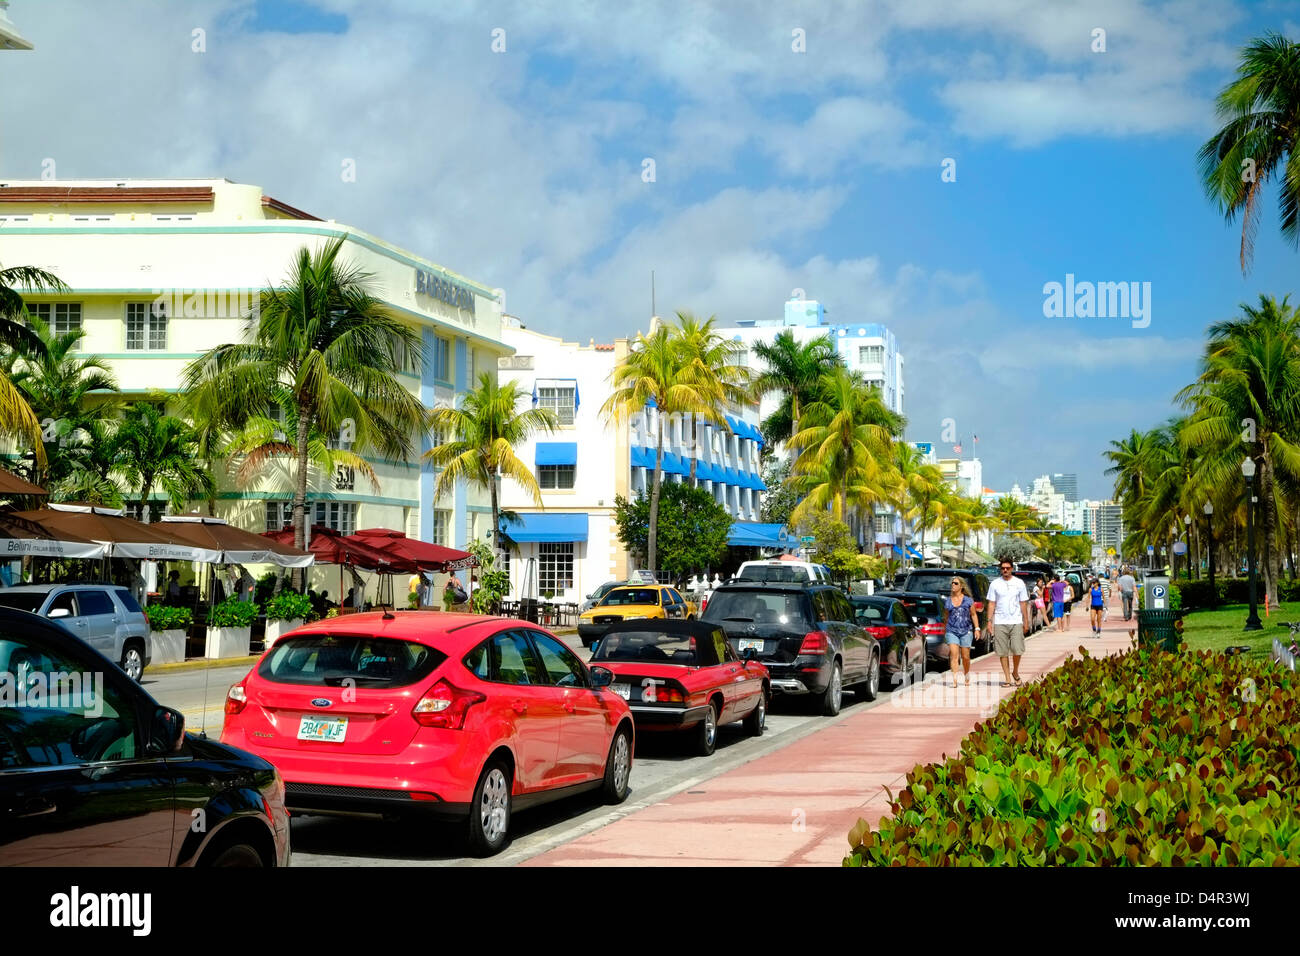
<point x="692" y="528"/>
<point x="289" y="606"/>
<point x="233" y="612"/>
<point x="162" y="617"/>
<point x="1149" y="758"/>
<point x="413" y="600"/>
<point x="493" y="583"/>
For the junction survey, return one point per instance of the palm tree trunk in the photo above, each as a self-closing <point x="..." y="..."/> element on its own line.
<point x="146" y="486"/>
<point x="695" y="449"/>
<point x="300" y="497"/>
<point x="496" y="516"/>
<point x="653" y="530"/>
<point x="1270" y="529"/>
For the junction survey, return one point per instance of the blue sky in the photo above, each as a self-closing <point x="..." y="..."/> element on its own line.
<point x="775" y="170"/>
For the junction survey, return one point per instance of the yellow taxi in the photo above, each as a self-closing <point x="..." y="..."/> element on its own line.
<point x="633" y="602"/>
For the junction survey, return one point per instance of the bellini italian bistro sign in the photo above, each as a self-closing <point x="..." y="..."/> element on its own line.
<point x="426" y="283"/>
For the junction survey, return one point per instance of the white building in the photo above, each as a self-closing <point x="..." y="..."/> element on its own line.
<point x="570" y="546"/>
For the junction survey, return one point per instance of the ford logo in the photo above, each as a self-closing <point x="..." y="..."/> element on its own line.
<point x="321" y="702"/>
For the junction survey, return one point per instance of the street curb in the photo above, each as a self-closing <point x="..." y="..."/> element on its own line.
<point x="202" y="664"/>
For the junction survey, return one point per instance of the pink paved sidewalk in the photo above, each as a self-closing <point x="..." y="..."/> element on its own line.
<point x="795" y="807"/>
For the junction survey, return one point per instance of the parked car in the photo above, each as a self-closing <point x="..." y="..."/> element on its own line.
<point x="452" y="715"/>
<point x="105" y="616"/>
<point x="928" y="607"/>
<point x="1037" y="618"/>
<point x="898" y="632"/>
<point x="633" y="602"/>
<point x="594" y="597"/>
<point x="939" y="581"/>
<point x="783" y="571"/>
<point x="805" y="634"/>
<point x="683" y="675"/>
<point x="96" y="773"/>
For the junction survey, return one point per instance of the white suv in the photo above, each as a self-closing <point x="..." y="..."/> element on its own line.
<point x="105" y="616"/>
<point x="783" y="572"/>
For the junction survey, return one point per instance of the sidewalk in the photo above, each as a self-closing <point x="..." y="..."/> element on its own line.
<point x="796" y="806"/>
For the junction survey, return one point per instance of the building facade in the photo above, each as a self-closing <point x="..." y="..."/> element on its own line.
<point x="160" y="271"/>
<point x="1067" y="485"/>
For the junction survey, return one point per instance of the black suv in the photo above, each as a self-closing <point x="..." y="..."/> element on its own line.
<point x="806" y="634"/>
<point x="939" y="581"/>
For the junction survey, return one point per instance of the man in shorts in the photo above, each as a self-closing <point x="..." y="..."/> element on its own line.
<point x="1008" y="620"/>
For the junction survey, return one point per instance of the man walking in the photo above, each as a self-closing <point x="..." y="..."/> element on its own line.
<point x="1127" y="590"/>
<point x="1008" y="620"/>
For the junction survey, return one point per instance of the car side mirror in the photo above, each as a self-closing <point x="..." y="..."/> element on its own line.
<point x="166" y="731"/>
<point x="59" y="612"/>
<point x="601" y="677"/>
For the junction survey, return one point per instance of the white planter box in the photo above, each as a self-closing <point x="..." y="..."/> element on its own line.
<point x="228" y="642"/>
<point x="276" y="628"/>
<point x="166" y="647"/>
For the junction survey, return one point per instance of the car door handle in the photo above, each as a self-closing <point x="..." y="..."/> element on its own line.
<point x="36" y="807"/>
<point x="520" y="707"/>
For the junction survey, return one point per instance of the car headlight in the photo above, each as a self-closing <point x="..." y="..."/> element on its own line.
<point x="634" y="617"/>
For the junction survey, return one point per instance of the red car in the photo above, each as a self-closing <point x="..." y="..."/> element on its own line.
<point x="455" y="715"/>
<point x="684" y="674"/>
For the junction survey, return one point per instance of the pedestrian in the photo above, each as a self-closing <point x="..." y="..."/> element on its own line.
<point x="1127" y="590"/>
<point x="1040" y="601"/>
<point x="1057" y="588"/>
<point x="1098" y="604"/>
<point x="1008" y="620"/>
<point x="173" y="585"/>
<point x="961" y="624"/>
<point x="1070" y="598"/>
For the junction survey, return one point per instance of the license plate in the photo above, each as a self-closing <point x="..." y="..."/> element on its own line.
<point x="623" y="690"/>
<point x="746" y="644"/>
<point x="327" y="731"/>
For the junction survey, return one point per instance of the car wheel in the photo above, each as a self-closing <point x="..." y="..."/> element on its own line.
<point x="706" y="734"/>
<point x="871" y="689"/>
<point x="756" y="722"/>
<point x="833" y="696"/>
<point x="133" y="662"/>
<point x="241" y="854"/>
<point x="489" y="818"/>
<point x="618" y="768"/>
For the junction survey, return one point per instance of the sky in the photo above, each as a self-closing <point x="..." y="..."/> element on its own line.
<point x="793" y="146"/>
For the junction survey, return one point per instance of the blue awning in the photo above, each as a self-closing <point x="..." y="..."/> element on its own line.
<point x="732" y="424"/>
<point x="733" y="476"/>
<point x="642" y="457"/>
<point x="898" y="551"/>
<point x="557" y="453"/>
<point x="673" y="465"/>
<point x="547" y="527"/>
<point x="754" y="482"/>
<point x="754" y="534"/>
<point x="914" y="553"/>
<point x="703" y="471"/>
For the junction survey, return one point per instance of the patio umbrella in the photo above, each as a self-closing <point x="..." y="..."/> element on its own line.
<point x="330" y="547"/>
<point x="236" y="545"/>
<point x="22" y="536"/>
<point x="11" y="484"/>
<point x="423" y="554"/>
<point x="123" y="537"/>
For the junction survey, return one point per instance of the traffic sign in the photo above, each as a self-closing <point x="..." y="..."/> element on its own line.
<point x="1071" y="532"/>
<point x="1111" y="552"/>
<point x="807" y="539"/>
<point x="1151" y="549"/>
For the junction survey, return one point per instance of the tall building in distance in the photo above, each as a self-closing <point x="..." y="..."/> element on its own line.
<point x="1067" y="485"/>
<point x="1102" y="522"/>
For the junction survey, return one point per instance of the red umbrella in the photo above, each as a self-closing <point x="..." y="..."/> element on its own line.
<point x="426" y="556"/>
<point x="331" y="547"/>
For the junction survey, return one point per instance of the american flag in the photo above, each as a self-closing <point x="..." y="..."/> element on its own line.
<point x="957" y="448"/>
<point x="976" y="438"/>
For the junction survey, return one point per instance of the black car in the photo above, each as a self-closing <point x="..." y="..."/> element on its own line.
<point x="93" y="772"/>
<point x="938" y="581"/>
<point x="898" y="631"/>
<point x="806" y="634"/>
<point x="929" y="608"/>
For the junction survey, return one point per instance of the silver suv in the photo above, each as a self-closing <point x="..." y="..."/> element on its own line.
<point x="105" y="616"/>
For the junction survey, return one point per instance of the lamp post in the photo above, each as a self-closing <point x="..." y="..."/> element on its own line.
<point x="1187" y="555"/>
<point x="1209" y="535"/>
<point x="1253" y="622"/>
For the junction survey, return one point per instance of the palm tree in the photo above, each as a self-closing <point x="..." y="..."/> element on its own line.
<point x="1260" y="111"/>
<point x="708" y="362"/>
<point x="480" y="448"/>
<point x="16" y="416"/>
<point x="326" y="351"/>
<point x="793" y="370"/>
<point x="152" y="449"/>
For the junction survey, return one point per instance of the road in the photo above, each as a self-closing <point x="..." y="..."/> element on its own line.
<point x="663" y="766"/>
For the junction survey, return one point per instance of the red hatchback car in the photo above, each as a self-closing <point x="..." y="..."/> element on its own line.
<point x="456" y="715"/>
<point x="684" y="674"/>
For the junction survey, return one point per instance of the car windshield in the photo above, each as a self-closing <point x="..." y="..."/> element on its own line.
<point x="657" y="647"/>
<point x="365" y="661"/>
<point x="783" y="609"/>
<point x="780" y="573"/>
<point x="931" y="583"/>
<point x="870" y="614"/>
<point x="621" y="596"/>
<point x="22" y="600"/>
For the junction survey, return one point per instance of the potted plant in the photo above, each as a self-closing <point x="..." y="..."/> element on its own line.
<point x="169" y="627"/>
<point x="230" y="629"/>
<point x="284" y="612"/>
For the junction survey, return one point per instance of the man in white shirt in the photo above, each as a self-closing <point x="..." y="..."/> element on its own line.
<point x="1008" y="617"/>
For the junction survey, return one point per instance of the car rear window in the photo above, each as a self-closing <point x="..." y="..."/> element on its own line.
<point x="22" y="600"/>
<point x="932" y="583"/>
<point x="780" y="574"/>
<point x="327" y="660"/>
<point x="869" y="614"/>
<point x="932" y="606"/>
<point x="626" y="596"/>
<point x="774" y="608"/>
<point x="128" y="601"/>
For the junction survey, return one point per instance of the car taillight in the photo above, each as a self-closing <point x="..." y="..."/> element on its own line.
<point x="814" y="643"/>
<point x="668" y="695"/>
<point x="236" y="699"/>
<point x="445" y="706"/>
<point x="931" y="628"/>
<point x="704" y="602"/>
<point x="879" y="633"/>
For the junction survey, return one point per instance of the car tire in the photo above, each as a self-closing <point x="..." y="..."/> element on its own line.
<point x="236" y="855"/>
<point x="489" y="817"/>
<point x="756" y="722"/>
<point x="133" y="661"/>
<point x="618" y="767"/>
<point x="706" y="732"/>
<point x="833" y="696"/>
<point x="870" y="689"/>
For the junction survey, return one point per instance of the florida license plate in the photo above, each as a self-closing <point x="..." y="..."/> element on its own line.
<point x="747" y="644"/>
<point x="327" y="731"/>
<point x="623" y="690"/>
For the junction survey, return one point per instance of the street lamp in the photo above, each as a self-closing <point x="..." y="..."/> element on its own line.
<point x="1253" y="622"/>
<point x="1187" y="559"/>
<point x="1209" y="535"/>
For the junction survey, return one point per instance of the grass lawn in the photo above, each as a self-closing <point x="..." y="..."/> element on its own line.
<point x="1220" y="628"/>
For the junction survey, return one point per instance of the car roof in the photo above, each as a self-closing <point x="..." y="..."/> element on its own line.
<point x="874" y="599"/>
<point x="422" y="627"/>
<point x="46" y="588"/>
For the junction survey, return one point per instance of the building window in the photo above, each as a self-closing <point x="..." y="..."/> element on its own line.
<point x="441" y="526"/>
<point x="340" y="516"/>
<point x="61" y="317"/>
<point x="871" y="354"/>
<point x="560" y="400"/>
<point x="146" y="326"/>
<point x="279" y="514"/>
<point x="441" y="358"/>
<point x="554" y="566"/>
<point x="556" y="477"/>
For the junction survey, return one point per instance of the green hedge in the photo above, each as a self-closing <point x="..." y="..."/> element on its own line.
<point x="1147" y="758"/>
<point x="233" y="612"/>
<point x="288" y="606"/>
<point x="164" y="618"/>
<point x="1196" y="594"/>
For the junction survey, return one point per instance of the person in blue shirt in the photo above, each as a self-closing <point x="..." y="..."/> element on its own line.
<point x="961" y="624"/>
<point x="1097" y="602"/>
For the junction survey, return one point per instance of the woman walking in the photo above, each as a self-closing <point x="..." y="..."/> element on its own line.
<point x="1058" y="603"/>
<point x="1098" y="602"/>
<point x="961" y="624"/>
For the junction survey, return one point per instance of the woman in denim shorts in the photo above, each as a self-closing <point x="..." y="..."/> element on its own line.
<point x="961" y="623"/>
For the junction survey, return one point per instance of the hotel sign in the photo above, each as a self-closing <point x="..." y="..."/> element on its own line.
<point x="427" y="283"/>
